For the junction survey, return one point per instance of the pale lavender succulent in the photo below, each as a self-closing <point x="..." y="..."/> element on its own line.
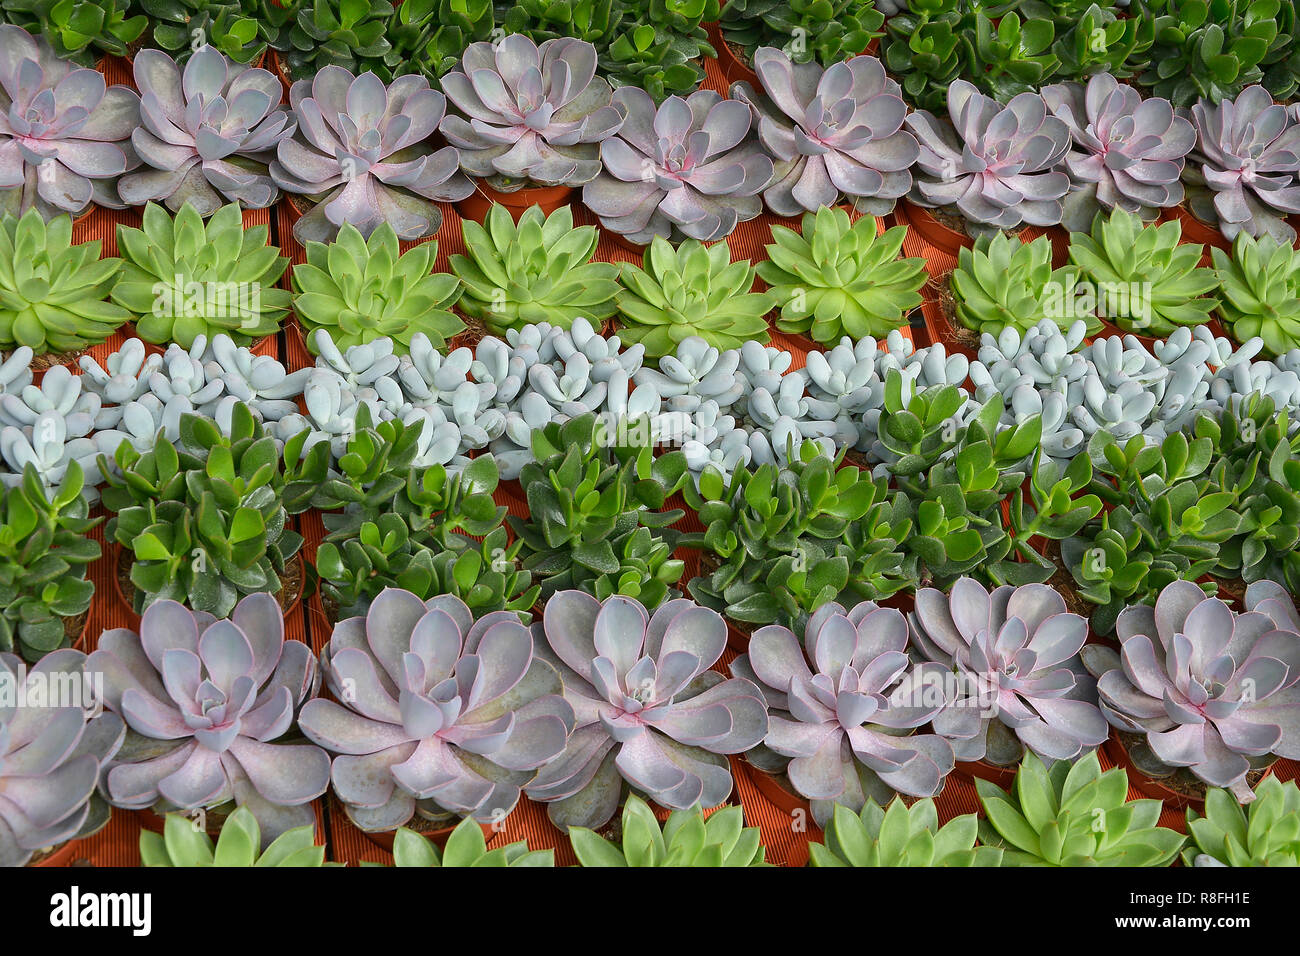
<point x="207" y="134"/>
<point x="64" y="134"/>
<point x="53" y="742"/>
<point x="1209" y="689"/>
<point x="1244" y="172"/>
<point x="362" y="155"/>
<point x="209" y="704"/>
<point x="1014" y="654"/>
<point x="1126" y="152"/>
<point x="650" y="711"/>
<point x="845" y="705"/>
<point x="441" y="714"/>
<point x="998" y="165"/>
<point x="532" y="114"/>
<point x="831" y="133"/>
<point x="689" y="167"/>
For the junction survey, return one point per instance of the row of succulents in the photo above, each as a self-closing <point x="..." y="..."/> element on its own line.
<point x="352" y="149"/>
<point x="437" y="719"/>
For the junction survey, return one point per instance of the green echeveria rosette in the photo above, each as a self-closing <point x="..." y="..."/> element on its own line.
<point x="1261" y="291"/>
<point x="1265" y="832"/>
<point x="538" y="270"/>
<point x="360" y="290"/>
<point x="1142" y="278"/>
<point x="53" y="292"/>
<point x="840" y="278"/>
<point x="182" y="278"/>
<point x="692" y="290"/>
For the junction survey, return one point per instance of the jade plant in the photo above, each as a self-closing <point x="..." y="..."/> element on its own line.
<point x="698" y="176"/>
<point x="360" y="289"/>
<point x="239" y="844"/>
<point x="434" y="714"/>
<point x="692" y="290"/>
<point x="1002" y="282"/>
<point x="537" y="270"/>
<point x="80" y="32"/>
<point x="64" y="132"/>
<point x="845" y="707"/>
<point x="641" y="685"/>
<point x="222" y="733"/>
<point x="1054" y="505"/>
<point x="214" y="151"/>
<point x="534" y="114"/>
<point x="55" y="740"/>
<point x="1093" y="37"/>
<point x="596" y="521"/>
<point x="429" y="36"/>
<point x="687" y="838"/>
<point x="927" y="46"/>
<point x="1202" y="687"/>
<point x="822" y="31"/>
<point x="1260" y="293"/>
<point x="1015" y="654"/>
<point x="182" y="278"/>
<point x="1073" y="815"/>
<point x="660" y="46"/>
<point x="465" y="847"/>
<point x="202" y="517"/>
<point x="788" y="540"/>
<point x="242" y="30"/>
<point x="53" y="292"/>
<point x="832" y="134"/>
<point x="1205" y="49"/>
<point x="1281" y="64"/>
<point x="45" y="549"/>
<point x="362" y="155"/>
<point x="1144" y="278"/>
<point x="342" y="33"/>
<point x="1265" y="832"/>
<point x="839" y="278"/>
<point x="900" y="836"/>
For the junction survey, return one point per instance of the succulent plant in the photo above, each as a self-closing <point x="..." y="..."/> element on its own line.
<point x="1205" y="49"/>
<point x="651" y="712"/>
<point x="53" y="292"/>
<point x="839" y="278"/>
<point x="44" y="553"/>
<point x="807" y="30"/>
<point x="214" y="151"/>
<point x="1144" y="278"/>
<point x="465" y="847"/>
<point x="203" y="516"/>
<point x="438" y="715"/>
<point x="536" y="270"/>
<point x="654" y="45"/>
<point x="240" y="29"/>
<point x="1261" y="291"/>
<point x="1073" y="815"/>
<point x="845" y="703"/>
<point x="361" y="155"/>
<point x="1209" y="689"/>
<point x="1125" y="153"/>
<point x="343" y="33"/>
<point x="429" y="36"/>
<point x="63" y="134"/>
<point x="687" y="839"/>
<point x="182" y="278"/>
<point x="928" y="45"/>
<point x="53" y="748"/>
<point x="831" y="133"/>
<point x="900" y="836"/>
<point x="1281" y="64"/>
<point x="1051" y="505"/>
<point x="239" y="844"/>
<point x="1002" y="282"/>
<point x="690" y="290"/>
<point x="595" y="500"/>
<point x="997" y="165"/>
<point x="1243" y="172"/>
<point x="689" y="167"/>
<point x="1016" y="651"/>
<point x="1266" y="832"/>
<point x="224" y="730"/>
<point x="79" y="33"/>
<point x="792" y="539"/>
<point x="358" y="289"/>
<point x="534" y="114"/>
<point x="1093" y="38"/>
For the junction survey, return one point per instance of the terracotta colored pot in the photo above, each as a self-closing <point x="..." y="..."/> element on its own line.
<point x="923" y="223"/>
<point x="479" y="203"/>
<point x="1194" y="230"/>
<point x="942" y="328"/>
<point x="1001" y="776"/>
<point x="1152" y="787"/>
<point x="437" y="837"/>
<point x="128" y="602"/>
<point x="733" y="69"/>
<point x="737" y="640"/>
<point x="776" y="792"/>
<point x="63" y="855"/>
